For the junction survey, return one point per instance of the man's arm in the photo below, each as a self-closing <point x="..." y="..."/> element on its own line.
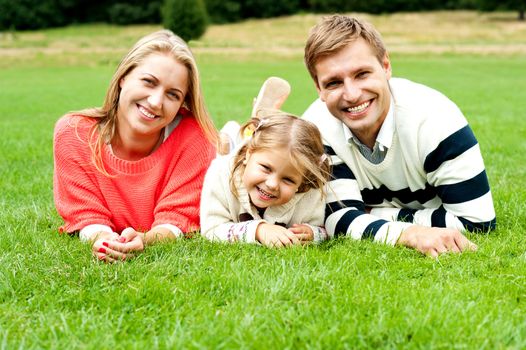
<point x="455" y="173"/>
<point x="346" y="215"/>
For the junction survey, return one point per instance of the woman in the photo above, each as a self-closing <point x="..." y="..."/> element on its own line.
<point x="130" y="173"/>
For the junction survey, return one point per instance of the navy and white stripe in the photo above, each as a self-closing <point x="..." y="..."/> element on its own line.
<point x="433" y="173"/>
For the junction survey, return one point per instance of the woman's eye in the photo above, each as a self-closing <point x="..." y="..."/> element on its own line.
<point x="148" y="81"/>
<point x="173" y="95"/>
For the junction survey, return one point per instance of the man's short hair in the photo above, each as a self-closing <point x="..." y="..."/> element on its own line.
<point x="334" y="33"/>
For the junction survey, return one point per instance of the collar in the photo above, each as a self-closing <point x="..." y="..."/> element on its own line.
<point x="385" y="135"/>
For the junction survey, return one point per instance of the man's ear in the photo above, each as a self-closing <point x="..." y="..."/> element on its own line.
<point x="386" y="65"/>
<point x="318" y="90"/>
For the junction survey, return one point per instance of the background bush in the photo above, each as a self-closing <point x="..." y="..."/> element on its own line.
<point x="35" y="14"/>
<point x="130" y="13"/>
<point x="186" y="18"/>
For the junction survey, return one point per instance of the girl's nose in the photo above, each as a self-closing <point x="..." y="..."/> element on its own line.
<point x="272" y="182"/>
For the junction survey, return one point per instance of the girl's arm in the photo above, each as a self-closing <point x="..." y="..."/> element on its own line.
<point x="220" y="209"/>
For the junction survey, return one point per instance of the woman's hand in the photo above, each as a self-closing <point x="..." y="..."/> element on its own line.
<point x="122" y="248"/>
<point x="275" y="236"/>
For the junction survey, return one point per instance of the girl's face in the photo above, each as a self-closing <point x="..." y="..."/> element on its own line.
<point x="270" y="178"/>
<point x="151" y="95"/>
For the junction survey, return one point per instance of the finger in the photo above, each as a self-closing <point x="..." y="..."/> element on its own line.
<point x="464" y="243"/>
<point x="304" y="237"/>
<point x="285" y="240"/>
<point x="292" y="237"/>
<point x="104" y="258"/>
<point x="454" y="247"/>
<point x="113" y="254"/>
<point x="433" y="253"/>
<point x="124" y="248"/>
<point x="275" y="244"/>
<point x="296" y="230"/>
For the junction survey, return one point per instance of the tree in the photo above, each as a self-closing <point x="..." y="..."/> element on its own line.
<point x="492" y="5"/>
<point x="186" y="18"/>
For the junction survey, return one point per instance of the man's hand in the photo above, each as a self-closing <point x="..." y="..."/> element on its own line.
<point x="434" y="241"/>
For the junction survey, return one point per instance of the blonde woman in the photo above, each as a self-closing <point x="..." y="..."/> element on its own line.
<point x="130" y="172"/>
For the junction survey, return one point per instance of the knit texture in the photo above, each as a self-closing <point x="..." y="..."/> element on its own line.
<point x="225" y="217"/>
<point x="433" y="173"/>
<point x="163" y="188"/>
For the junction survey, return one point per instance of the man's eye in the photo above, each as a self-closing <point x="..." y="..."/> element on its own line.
<point x="331" y="84"/>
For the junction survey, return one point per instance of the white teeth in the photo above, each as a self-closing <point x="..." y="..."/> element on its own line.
<point x="146" y="113"/>
<point x="359" y="108"/>
<point x="265" y="193"/>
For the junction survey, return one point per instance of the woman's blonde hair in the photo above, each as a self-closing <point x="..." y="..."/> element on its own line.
<point x="274" y="129"/>
<point x="162" y="41"/>
<point x="334" y="33"/>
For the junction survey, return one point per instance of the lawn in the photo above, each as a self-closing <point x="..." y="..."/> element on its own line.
<point x="196" y="294"/>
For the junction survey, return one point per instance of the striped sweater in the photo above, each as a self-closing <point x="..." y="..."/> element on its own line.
<point x="432" y="175"/>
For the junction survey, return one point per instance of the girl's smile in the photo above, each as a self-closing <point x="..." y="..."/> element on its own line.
<point x="270" y="178"/>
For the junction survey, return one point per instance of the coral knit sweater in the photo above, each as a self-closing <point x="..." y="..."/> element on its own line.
<point x="163" y="188"/>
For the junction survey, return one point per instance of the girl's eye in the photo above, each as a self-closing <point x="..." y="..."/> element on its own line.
<point x="265" y="167"/>
<point x="289" y="181"/>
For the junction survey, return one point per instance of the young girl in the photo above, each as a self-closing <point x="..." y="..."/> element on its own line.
<point x="271" y="189"/>
<point x="131" y="172"/>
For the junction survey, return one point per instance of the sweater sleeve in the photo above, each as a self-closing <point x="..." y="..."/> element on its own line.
<point x="217" y="219"/>
<point x="77" y="197"/>
<point x="178" y="204"/>
<point x="345" y="210"/>
<point x="456" y="171"/>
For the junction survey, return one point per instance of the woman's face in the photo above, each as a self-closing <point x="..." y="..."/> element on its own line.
<point x="151" y="95"/>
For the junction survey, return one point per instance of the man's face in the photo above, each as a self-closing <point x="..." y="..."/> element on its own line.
<point x="354" y="85"/>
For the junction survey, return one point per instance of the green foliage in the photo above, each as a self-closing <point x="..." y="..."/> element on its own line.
<point x="384" y="6"/>
<point x="129" y="13"/>
<point x="223" y="11"/>
<point x="492" y="5"/>
<point x="34" y="14"/>
<point x="269" y="8"/>
<point x="186" y="18"/>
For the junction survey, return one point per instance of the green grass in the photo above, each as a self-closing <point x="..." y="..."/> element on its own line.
<point x="196" y="294"/>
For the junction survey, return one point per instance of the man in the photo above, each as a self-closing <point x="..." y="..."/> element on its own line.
<point x="407" y="168"/>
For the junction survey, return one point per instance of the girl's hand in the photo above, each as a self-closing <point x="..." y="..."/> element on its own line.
<point x="303" y="233"/>
<point x="275" y="236"/>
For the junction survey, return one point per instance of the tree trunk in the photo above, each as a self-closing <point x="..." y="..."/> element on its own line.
<point x="521" y="15"/>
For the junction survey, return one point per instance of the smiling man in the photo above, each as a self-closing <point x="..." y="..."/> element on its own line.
<point x="407" y="169"/>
